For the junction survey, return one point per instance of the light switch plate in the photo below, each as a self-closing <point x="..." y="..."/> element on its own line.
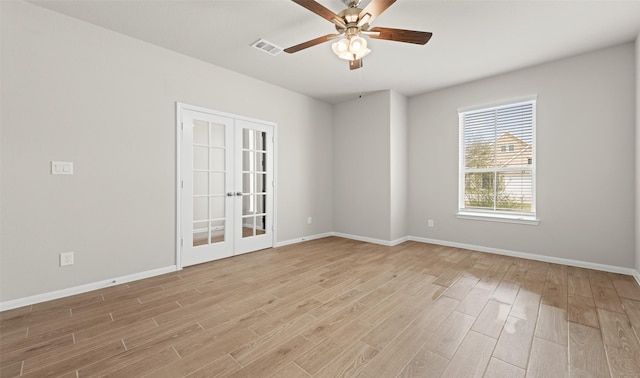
<point x="61" y="168"/>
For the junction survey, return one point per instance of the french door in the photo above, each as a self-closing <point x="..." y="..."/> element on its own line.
<point x="226" y="185"/>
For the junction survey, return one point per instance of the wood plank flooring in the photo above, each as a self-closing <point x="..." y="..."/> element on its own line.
<point x="338" y="308"/>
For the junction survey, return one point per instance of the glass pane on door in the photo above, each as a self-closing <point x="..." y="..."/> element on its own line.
<point x="200" y="132"/>
<point x="200" y="183"/>
<point x="261" y="183"/>
<point x="200" y="157"/>
<point x="200" y="233"/>
<point x="217" y="159"/>
<point x="217" y="184"/>
<point x="217" y="135"/>
<point x="248" y="227"/>
<point x="260" y="204"/>
<point x="217" y="231"/>
<point x="260" y="162"/>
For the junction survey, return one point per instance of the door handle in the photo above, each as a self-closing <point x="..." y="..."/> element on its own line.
<point x="238" y="193"/>
<point x="230" y="194"/>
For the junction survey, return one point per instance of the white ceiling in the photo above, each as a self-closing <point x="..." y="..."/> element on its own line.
<point x="471" y="39"/>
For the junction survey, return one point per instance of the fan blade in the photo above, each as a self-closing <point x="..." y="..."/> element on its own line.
<point x="317" y="9"/>
<point x="355" y="64"/>
<point x="310" y="43"/>
<point x="401" y="35"/>
<point x="375" y="8"/>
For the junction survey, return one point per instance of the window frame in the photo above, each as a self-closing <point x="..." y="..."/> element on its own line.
<point x="529" y="218"/>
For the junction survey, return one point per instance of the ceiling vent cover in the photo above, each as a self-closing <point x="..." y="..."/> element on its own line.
<point x="267" y="47"/>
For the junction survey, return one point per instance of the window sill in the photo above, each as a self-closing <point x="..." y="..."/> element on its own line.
<point x="504" y="218"/>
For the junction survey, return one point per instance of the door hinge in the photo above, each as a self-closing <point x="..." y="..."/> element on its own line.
<point x="181" y="242"/>
<point x="181" y="184"/>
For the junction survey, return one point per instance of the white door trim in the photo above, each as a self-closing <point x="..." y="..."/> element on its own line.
<point x="180" y="108"/>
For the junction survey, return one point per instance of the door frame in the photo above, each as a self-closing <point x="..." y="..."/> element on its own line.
<point x="180" y="108"/>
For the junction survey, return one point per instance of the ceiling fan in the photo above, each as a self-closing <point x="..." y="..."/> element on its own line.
<point x="353" y="22"/>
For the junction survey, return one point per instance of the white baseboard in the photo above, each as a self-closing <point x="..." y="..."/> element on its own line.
<point x="532" y="256"/>
<point x="346" y="236"/>
<point x="8" y="305"/>
<point x="399" y="241"/>
<point x="371" y="240"/>
<point x="303" y="239"/>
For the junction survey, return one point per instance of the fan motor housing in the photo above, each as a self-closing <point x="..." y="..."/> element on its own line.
<point x="350" y="15"/>
<point x="351" y="18"/>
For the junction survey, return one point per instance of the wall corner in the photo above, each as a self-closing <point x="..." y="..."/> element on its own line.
<point x="637" y="161"/>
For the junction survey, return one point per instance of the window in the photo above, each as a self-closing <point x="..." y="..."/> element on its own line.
<point x="497" y="162"/>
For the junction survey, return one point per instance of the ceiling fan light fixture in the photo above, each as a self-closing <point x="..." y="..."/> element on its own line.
<point x="362" y="53"/>
<point x="352" y="48"/>
<point x="357" y="45"/>
<point x="341" y="48"/>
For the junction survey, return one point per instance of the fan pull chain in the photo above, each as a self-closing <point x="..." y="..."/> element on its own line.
<point x="360" y="83"/>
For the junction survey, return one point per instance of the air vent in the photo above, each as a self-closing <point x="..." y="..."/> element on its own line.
<point x="267" y="47"/>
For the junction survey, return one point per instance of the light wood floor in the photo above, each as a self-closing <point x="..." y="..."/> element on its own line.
<point x="335" y="307"/>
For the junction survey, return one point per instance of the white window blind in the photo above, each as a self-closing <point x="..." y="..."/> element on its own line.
<point x="497" y="164"/>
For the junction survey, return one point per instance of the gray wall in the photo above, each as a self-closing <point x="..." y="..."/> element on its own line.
<point x="362" y="167"/>
<point x="585" y="159"/>
<point x="371" y="167"/>
<point x="637" y="229"/>
<point x="399" y="165"/>
<point x="75" y="92"/>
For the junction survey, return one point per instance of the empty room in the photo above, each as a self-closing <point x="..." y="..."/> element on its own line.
<point x="319" y="188"/>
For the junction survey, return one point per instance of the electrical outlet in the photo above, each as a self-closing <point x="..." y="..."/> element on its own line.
<point x="430" y="223"/>
<point x="309" y="220"/>
<point x="66" y="258"/>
